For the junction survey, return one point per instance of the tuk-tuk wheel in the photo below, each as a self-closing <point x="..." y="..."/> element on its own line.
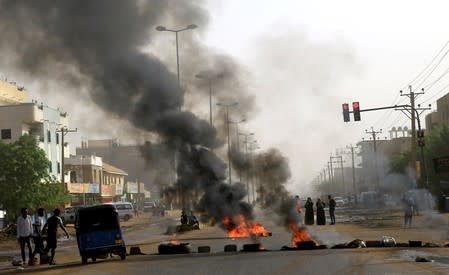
<point x="84" y="259"/>
<point x="126" y="218"/>
<point x="123" y="255"/>
<point x="94" y="258"/>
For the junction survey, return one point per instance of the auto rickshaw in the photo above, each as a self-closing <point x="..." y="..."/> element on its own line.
<point x="98" y="232"/>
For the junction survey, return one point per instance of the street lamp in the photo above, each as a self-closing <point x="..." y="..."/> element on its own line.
<point x="253" y="170"/>
<point x="164" y="29"/>
<point x="237" y="130"/>
<point x="226" y="106"/>
<point x="209" y="78"/>
<point x="247" y="157"/>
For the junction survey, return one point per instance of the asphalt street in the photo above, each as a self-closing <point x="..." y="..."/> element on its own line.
<point x="368" y="225"/>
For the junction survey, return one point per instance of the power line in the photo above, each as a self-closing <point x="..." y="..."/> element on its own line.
<point x="431" y="71"/>
<point x="426" y="67"/>
<point x="437" y="94"/>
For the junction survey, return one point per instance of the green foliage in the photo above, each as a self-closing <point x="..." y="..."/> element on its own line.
<point x="400" y="162"/>
<point x="437" y="145"/>
<point x="25" y="180"/>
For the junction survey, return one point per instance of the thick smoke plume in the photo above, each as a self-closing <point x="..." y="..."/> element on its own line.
<point x="96" y="46"/>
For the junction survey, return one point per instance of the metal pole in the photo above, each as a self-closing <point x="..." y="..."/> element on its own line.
<point x="210" y="101"/>
<point x="247" y="173"/>
<point x="413" y="145"/>
<point x="353" y="175"/>
<point x="177" y="58"/>
<point x="62" y="158"/>
<point x="342" y="175"/>
<point x="229" y="145"/>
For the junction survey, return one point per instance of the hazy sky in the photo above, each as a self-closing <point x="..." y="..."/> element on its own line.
<point x="308" y="57"/>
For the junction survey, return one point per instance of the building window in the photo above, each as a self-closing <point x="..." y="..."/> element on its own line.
<point x="6" y="133"/>
<point x="59" y="167"/>
<point x="48" y="136"/>
<point x="51" y="170"/>
<point x="57" y="138"/>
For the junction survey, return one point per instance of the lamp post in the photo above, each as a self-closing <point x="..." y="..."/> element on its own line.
<point x="237" y="130"/>
<point x="253" y="183"/>
<point x="247" y="157"/>
<point x="209" y="78"/>
<point x="164" y="29"/>
<point x="226" y="106"/>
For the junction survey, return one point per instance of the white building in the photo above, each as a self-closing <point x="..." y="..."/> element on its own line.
<point x="18" y="118"/>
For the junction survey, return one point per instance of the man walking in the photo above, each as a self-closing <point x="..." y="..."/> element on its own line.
<point x="37" y="233"/>
<point x="24" y="232"/>
<point x="52" y="225"/>
<point x="332" y="205"/>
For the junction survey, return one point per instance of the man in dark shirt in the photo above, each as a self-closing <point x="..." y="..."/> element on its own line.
<point x="52" y="225"/>
<point x="332" y="205"/>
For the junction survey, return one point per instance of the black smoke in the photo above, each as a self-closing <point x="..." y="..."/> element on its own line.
<point x="97" y="46"/>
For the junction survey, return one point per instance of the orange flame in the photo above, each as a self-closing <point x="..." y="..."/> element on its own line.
<point x="239" y="227"/>
<point x="174" y="241"/>
<point x="300" y="234"/>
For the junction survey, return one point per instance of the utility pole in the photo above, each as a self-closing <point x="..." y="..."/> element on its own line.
<point x="374" y="133"/>
<point x="339" y="161"/>
<point x="329" y="164"/>
<point x="354" y="184"/>
<point x="64" y="131"/>
<point x="412" y="95"/>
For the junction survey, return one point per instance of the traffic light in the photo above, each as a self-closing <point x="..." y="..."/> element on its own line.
<point x="356" y="110"/>
<point x="420" y="134"/>
<point x="345" y="112"/>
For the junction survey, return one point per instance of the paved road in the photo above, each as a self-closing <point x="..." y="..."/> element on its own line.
<point x="275" y="261"/>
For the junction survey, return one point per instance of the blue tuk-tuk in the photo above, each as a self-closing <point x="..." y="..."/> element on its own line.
<point x="98" y="232"/>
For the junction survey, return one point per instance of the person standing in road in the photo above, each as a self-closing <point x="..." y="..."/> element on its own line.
<point x="309" y="219"/>
<point x="408" y="212"/>
<point x="52" y="225"/>
<point x="332" y="205"/>
<point x="320" y="216"/>
<point x="37" y="233"/>
<point x="24" y="232"/>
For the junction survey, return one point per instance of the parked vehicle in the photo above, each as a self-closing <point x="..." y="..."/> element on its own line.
<point x="340" y="201"/>
<point x="125" y="210"/>
<point x="153" y="207"/>
<point x="69" y="214"/>
<point x="98" y="232"/>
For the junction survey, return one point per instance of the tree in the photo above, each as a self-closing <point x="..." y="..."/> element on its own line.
<point x="437" y="145"/>
<point x="399" y="162"/>
<point x="25" y="180"/>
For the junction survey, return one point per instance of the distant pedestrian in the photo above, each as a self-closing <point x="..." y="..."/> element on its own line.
<point x="24" y="232"/>
<point x="52" y="225"/>
<point x="408" y="212"/>
<point x="320" y="216"/>
<point x="309" y="219"/>
<point x="332" y="205"/>
<point x="38" y="225"/>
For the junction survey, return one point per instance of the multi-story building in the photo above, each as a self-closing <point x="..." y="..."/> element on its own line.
<point x="93" y="181"/>
<point x="127" y="157"/>
<point x="18" y="118"/>
<point x="441" y="115"/>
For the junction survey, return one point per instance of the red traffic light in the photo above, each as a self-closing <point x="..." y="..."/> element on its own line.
<point x="356" y="110"/>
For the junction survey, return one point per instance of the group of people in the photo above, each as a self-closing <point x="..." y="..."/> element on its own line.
<point x="320" y="214"/>
<point x="26" y="230"/>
